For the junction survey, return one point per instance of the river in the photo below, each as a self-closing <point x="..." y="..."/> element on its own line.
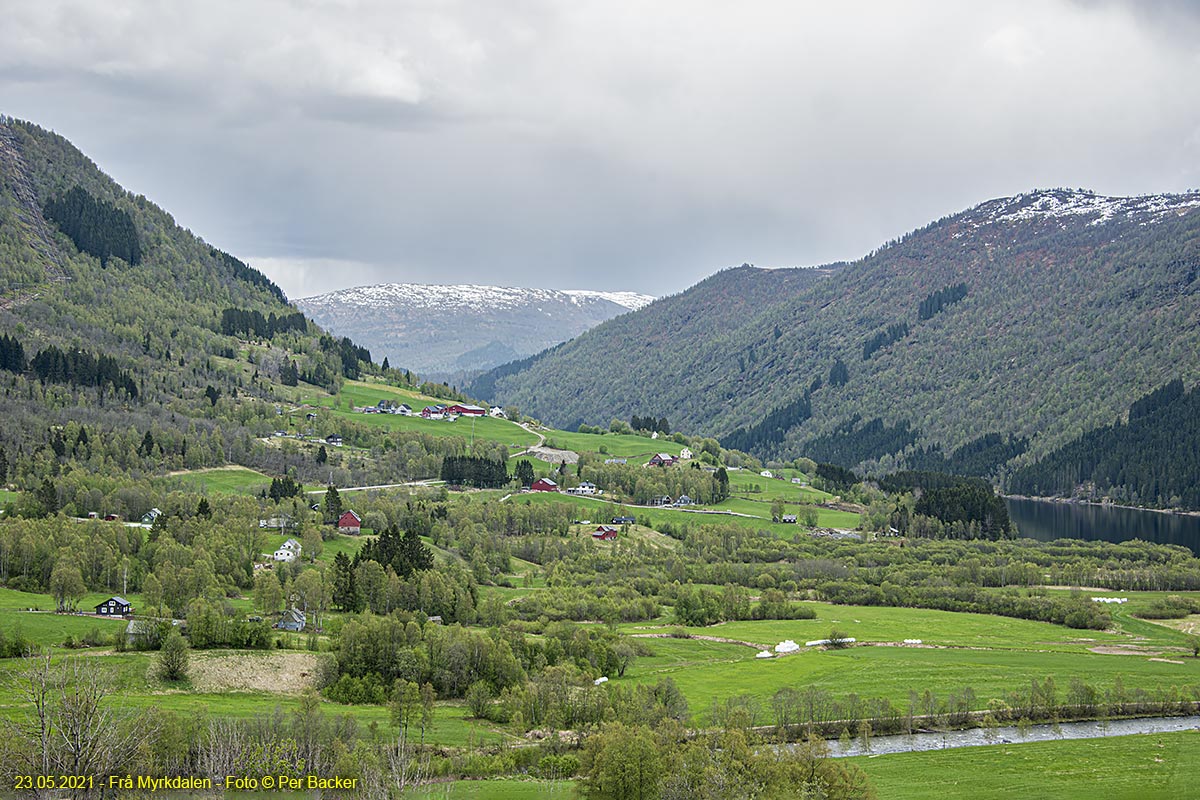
<point x="976" y="737"/>
<point x="1045" y="520"/>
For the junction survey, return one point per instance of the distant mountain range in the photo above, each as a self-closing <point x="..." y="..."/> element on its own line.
<point x="987" y="338"/>
<point x="453" y="332"/>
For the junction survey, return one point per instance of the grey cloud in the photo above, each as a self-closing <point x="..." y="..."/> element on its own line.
<point x="612" y="145"/>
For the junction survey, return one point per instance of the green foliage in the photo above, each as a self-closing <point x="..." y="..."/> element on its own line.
<point x="173" y="657"/>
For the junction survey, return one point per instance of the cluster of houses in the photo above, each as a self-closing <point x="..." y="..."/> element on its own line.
<point x="432" y="412"/>
<point x="116" y="606"/>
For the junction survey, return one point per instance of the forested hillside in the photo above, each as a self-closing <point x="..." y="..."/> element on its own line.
<point x="987" y="338"/>
<point x="648" y="351"/>
<point x="130" y="345"/>
<point x="1152" y="458"/>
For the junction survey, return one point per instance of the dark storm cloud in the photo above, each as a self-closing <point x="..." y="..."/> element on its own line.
<point x="600" y="145"/>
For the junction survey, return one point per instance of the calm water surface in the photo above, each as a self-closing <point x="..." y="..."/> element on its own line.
<point x="1045" y="520"/>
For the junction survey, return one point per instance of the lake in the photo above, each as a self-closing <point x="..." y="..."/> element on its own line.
<point x="1045" y="520"/>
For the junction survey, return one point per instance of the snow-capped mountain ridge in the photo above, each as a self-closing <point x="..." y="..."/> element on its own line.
<point x="467" y="297"/>
<point x="448" y="332"/>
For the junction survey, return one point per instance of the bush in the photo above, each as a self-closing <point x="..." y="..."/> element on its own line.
<point x="173" y="657"/>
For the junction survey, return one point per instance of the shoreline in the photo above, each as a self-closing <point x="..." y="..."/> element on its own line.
<point x="1072" y="502"/>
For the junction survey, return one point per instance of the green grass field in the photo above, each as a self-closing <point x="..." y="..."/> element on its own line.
<point x="1146" y="767"/>
<point x="638" y="449"/>
<point x="7" y="497"/>
<point x="990" y="654"/>
<point x="603" y="510"/>
<point x="223" y="480"/>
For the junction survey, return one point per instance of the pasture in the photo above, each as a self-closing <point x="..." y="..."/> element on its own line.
<point x="1144" y="767"/>
<point x="992" y="655"/>
<point x="221" y="481"/>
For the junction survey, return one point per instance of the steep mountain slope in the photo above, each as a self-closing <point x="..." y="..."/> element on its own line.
<point x="168" y="351"/>
<point x="659" y="355"/>
<point x="445" y="331"/>
<point x="1033" y="317"/>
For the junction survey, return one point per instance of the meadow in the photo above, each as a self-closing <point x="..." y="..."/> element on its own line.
<point x="221" y="481"/>
<point x="1144" y="767"/>
<point x="992" y="655"/>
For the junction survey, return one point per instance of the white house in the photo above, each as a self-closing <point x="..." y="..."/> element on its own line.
<point x="497" y="411"/>
<point x="685" y="454"/>
<point x="288" y="551"/>
<point x="404" y="410"/>
<point x="585" y="488"/>
<point x="766" y="473"/>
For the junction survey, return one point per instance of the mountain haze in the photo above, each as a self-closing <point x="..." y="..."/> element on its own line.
<point x="1032" y="318"/>
<point x="444" y="332"/>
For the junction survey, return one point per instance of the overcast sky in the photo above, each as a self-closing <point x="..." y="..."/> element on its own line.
<point x="602" y="145"/>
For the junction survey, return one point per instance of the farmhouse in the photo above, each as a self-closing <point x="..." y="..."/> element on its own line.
<point x="683" y="500"/>
<point x="334" y="440"/>
<point x="151" y="515"/>
<point x="404" y="410"/>
<point x="685" y="454"/>
<point x="665" y="500"/>
<point x="544" y="485"/>
<point x="114" y="606"/>
<point x="766" y="473"/>
<point x="291" y="620"/>
<point x="288" y="552"/>
<point x="466" y="411"/>
<point x="498" y="412"/>
<point x="605" y="532"/>
<point x="350" y="523"/>
<point x="789" y="518"/>
<point x="661" y="460"/>
<point x="623" y="520"/>
<point x="433" y="412"/>
<point x="585" y="488"/>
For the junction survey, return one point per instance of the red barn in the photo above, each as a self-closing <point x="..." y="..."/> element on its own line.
<point x="605" y="532"/>
<point x="470" y="411"/>
<point x="662" y="460"/>
<point x="544" y="485"/>
<point x="350" y="523"/>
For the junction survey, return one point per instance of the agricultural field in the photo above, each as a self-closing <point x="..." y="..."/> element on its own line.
<point x="603" y="510"/>
<point x="992" y="655"/>
<point x="1143" y="767"/>
<point x="638" y="449"/>
<point x="221" y="481"/>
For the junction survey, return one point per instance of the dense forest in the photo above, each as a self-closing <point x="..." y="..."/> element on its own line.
<point x="1151" y="459"/>
<point x="97" y="227"/>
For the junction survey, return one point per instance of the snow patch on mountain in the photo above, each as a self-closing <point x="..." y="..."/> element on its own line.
<point x="467" y="297"/>
<point x="1064" y="204"/>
